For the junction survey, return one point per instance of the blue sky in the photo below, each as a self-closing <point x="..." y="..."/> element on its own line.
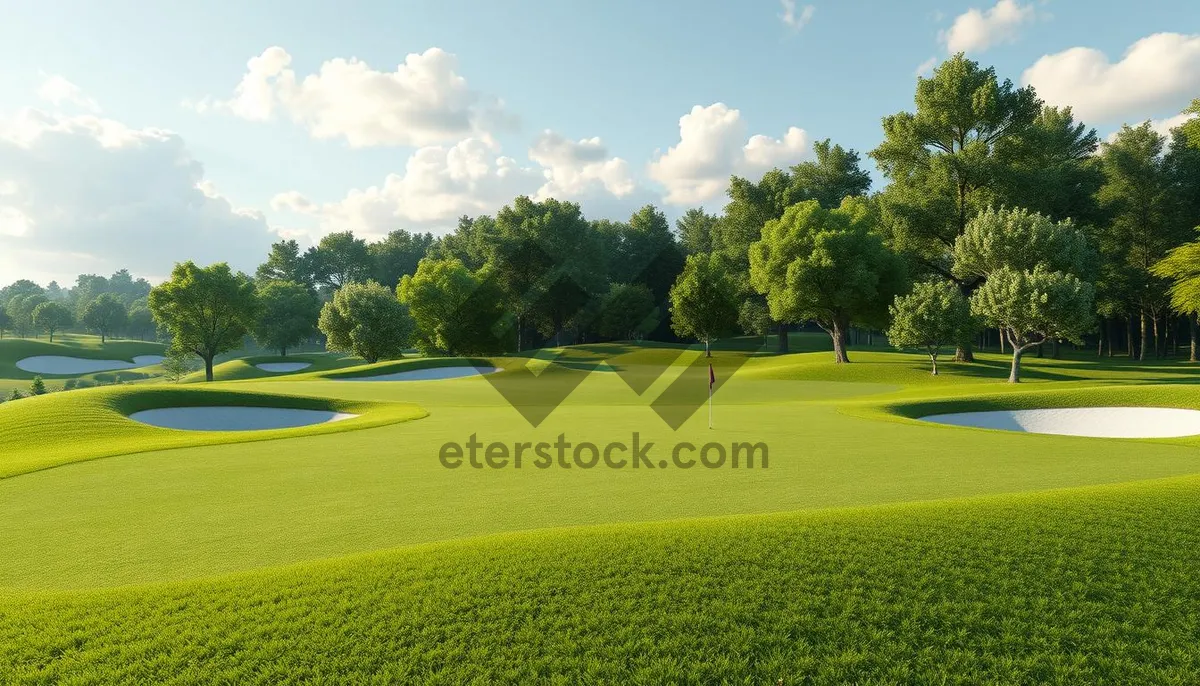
<point x="624" y="71"/>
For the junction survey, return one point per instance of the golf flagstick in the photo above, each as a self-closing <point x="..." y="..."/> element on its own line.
<point x="712" y="378"/>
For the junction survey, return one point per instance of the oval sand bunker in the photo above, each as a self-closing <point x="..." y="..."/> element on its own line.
<point x="428" y="374"/>
<point x="1097" y="422"/>
<point x="233" y="418"/>
<point x="59" y="364"/>
<point x="281" y="367"/>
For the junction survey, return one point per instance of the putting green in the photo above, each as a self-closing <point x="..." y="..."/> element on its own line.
<point x="311" y="509"/>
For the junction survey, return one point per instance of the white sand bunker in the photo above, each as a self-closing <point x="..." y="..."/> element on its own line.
<point x="1098" y="422"/>
<point x="427" y="374"/>
<point x="233" y="418"/>
<point x="282" y="367"/>
<point x="58" y="364"/>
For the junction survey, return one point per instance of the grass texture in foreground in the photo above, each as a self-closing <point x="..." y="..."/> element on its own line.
<point x="1097" y="586"/>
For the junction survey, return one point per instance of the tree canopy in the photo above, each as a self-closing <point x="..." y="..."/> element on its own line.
<point x="105" y="315"/>
<point x="828" y="266"/>
<point x="287" y="315"/>
<point x="367" y="320"/>
<point x="207" y="310"/>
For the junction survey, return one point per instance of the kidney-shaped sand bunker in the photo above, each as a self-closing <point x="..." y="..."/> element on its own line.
<point x="1097" y="422"/>
<point x="62" y="365"/>
<point x="235" y="418"/>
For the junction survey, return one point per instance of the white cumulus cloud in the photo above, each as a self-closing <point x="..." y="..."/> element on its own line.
<point x="977" y="30"/>
<point x="441" y="183"/>
<point x="573" y="168"/>
<point x="56" y="90"/>
<point x="424" y="101"/>
<point x="712" y="146"/>
<point x="87" y="194"/>
<point x="1159" y="73"/>
<point x="793" y="19"/>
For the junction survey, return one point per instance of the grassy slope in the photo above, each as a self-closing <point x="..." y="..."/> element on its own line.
<point x="70" y="345"/>
<point x="205" y="510"/>
<point x="1085" y="586"/>
<point x="1092" y="585"/>
<point x="60" y="428"/>
<point x="243" y="368"/>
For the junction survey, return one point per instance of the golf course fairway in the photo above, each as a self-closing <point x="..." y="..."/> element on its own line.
<point x="869" y="547"/>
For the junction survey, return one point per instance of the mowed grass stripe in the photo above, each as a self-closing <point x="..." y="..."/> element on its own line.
<point x="1095" y="585"/>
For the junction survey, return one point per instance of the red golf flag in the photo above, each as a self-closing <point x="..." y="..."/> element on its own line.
<point x="712" y="378"/>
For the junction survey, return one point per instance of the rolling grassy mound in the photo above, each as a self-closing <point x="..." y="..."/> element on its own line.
<point x="13" y="350"/>
<point x="244" y="368"/>
<point x="875" y="549"/>
<point x="1089" y="586"/>
<point x="60" y="428"/>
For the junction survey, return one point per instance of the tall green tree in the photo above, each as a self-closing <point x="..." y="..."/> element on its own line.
<point x="471" y="243"/>
<point x="285" y="262"/>
<point x="339" y="259"/>
<point x="367" y="320"/>
<point x="1182" y="267"/>
<point x="1036" y="277"/>
<point x="1142" y="226"/>
<point x="1050" y="167"/>
<point x="704" y="303"/>
<point x="547" y="258"/>
<point x="935" y="314"/>
<point x="141" y="322"/>
<point x="5" y="322"/>
<point x="945" y="160"/>
<point x="20" y="308"/>
<point x="642" y="250"/>
<point x="105" y="315"/>
<point x="455" y="311"/>
<point x="207" y="310"/>
<point x="287" y="315"/>
<point x="695" y="230"/>
<point x="1032" y="307"/>
<point x="829" y="266"/>
<point x="20" y="287"/>
<point x="628" y="312"/>
<point x="832" y="175"/>
<point x="52" y="317"/>
<point x="398" y="255"/>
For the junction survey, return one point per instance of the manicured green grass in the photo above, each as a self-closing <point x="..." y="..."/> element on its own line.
<point x="354" y="555"/>
<point x="244" y="368"/>
<point x="71" y="345"/>
<point x="60" y="428"/>
<point x="1091" y="586"/>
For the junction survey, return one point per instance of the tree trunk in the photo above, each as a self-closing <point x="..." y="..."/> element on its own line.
<point x="707" y="352"/>
<point x="1100" y="338"/>
<point x="1192" y="347"/>
<point x="1145" y="331"/>
<point x="838" y="333"/>
<point x="1129" y="347"/>
<point x="1158" y="339"/>
<point x="208" y="365"/>
<point x="933" y="360"/>
<point x="963" y="353"/>
<point x="283" y="351"/>
<point x="1014" y="375"/>
<point x="1054" y="349"/>
<point x="783" y="337"/>
<point x="1001" y="340"/>
<point x="102" y="341"/>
